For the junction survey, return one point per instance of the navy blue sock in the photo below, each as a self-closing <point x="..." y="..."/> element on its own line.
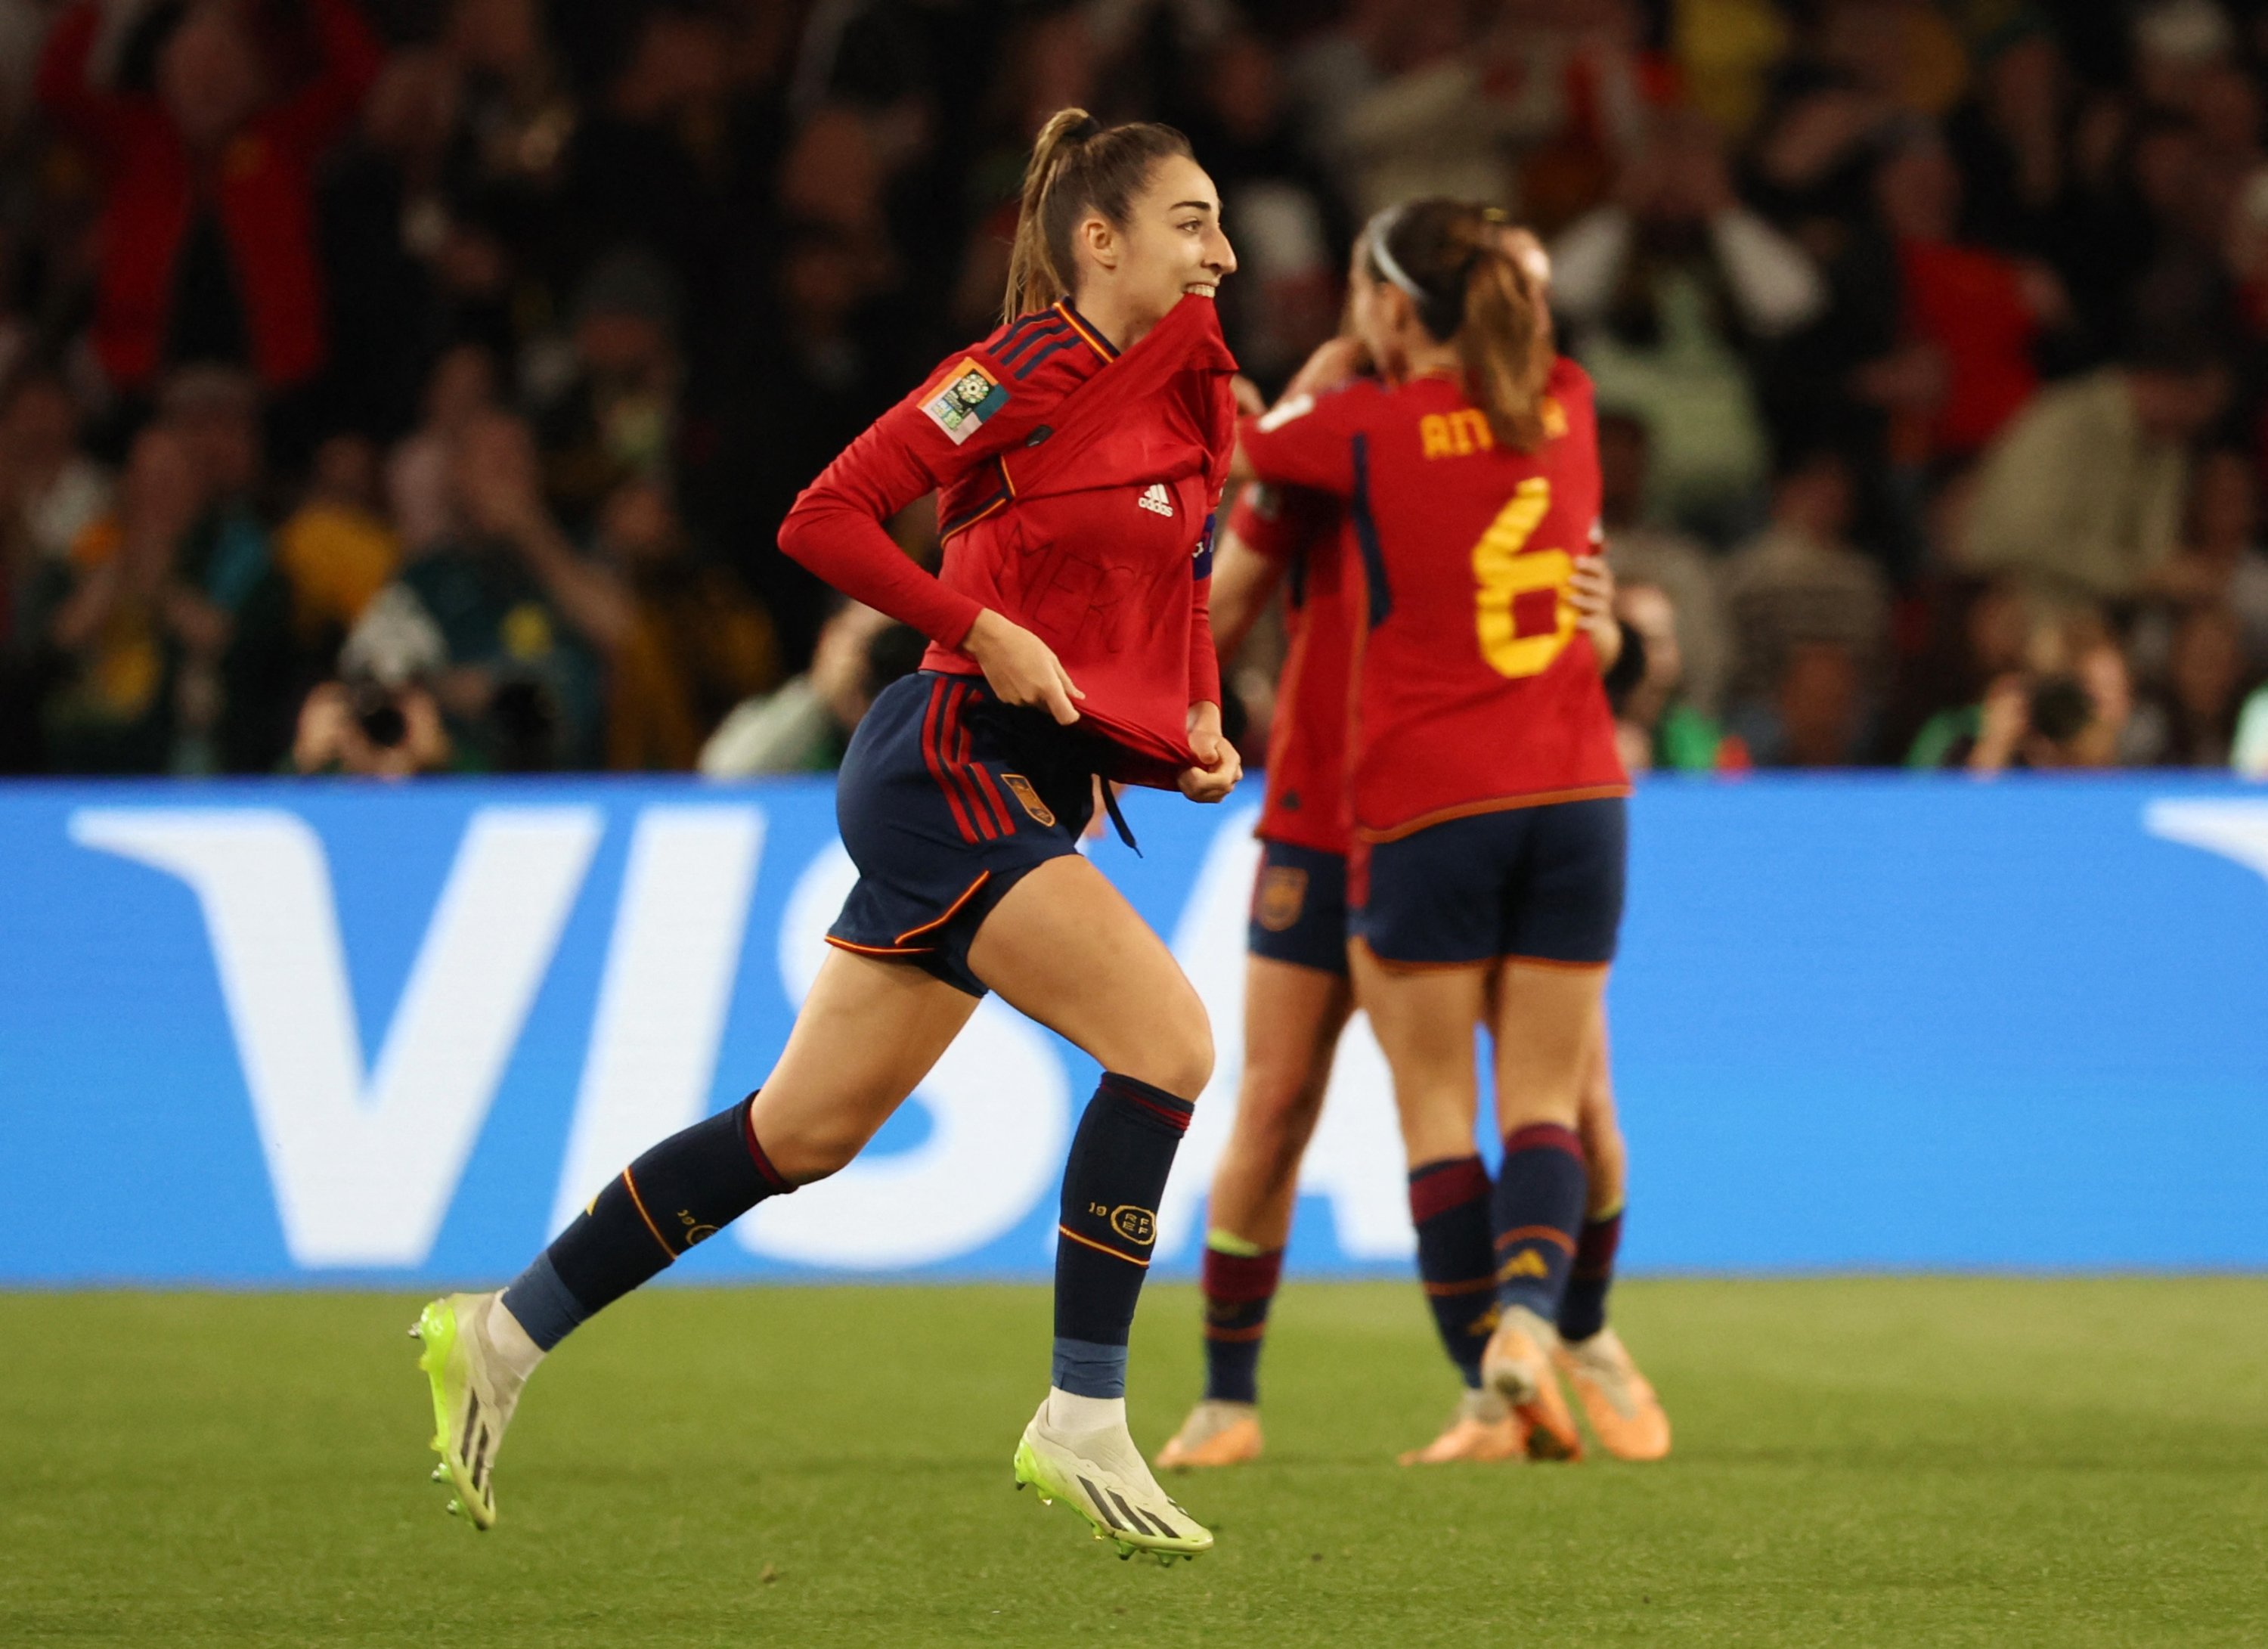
<point x="1583" y="1308"/>
<point x="1449" y="1204"/>
<point x="1239" y="1288"/>
<point x="683" y="1191"/>
<point x="1539" y="1192"/>
<point x="1116" y="1172"/>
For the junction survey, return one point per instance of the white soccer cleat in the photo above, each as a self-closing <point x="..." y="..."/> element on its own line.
<point x="474" y="1396"/>
<point x="1103" y="1476"/>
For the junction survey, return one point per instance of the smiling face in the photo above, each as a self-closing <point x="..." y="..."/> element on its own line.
<point x="1170" y="246"/>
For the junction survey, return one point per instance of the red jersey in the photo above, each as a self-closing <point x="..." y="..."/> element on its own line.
<point x="1304" y="804"/>
<point x="1476" y="690"/>
<point x="1075" y="493"/>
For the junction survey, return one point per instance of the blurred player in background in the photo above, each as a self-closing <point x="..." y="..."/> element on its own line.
<point x="1297" y="1002"/>
<point x="1487" y="797"/>
<point x="1078" y="454"/>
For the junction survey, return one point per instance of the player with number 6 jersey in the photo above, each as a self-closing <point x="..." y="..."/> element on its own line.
<point x="1486" y="879"/>
<point x="1478" y="689"/>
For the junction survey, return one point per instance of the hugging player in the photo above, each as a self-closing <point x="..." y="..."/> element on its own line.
<point x="1486" y="871"/>
<point x="1078" y="453"/>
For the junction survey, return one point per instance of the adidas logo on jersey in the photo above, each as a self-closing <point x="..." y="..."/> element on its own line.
<point x="1156" y="500"/>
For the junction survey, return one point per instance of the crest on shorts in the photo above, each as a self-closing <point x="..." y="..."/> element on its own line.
<point x="1021" y="788"/>
<point x="970" y="395"/>
<point x="1280" y="897"/>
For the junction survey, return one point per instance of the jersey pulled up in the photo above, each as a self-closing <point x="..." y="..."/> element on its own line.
<point x="1076" y="486"/>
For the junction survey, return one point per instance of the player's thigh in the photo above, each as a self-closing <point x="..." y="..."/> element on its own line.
<point x="868" y="1032"/>
<point x="1599" y="1125"/>
<point x="1065" y="947"/>
<point x="1424" y="1020"/>
<point x="1544" y="1026"/>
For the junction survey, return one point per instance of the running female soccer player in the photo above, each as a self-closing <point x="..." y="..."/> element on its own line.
<point x="1078" y="453"/>
<point x="1486" y="879"/>
<point x="1297" y="1003"/>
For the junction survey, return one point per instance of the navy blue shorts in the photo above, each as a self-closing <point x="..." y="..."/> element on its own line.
<point x="1537" y="884"/>
<point x="1298" y="907"/>
<point x="947" y="797"/>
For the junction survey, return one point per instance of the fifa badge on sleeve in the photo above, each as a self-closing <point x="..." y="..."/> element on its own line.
<point x="970" y="395"/>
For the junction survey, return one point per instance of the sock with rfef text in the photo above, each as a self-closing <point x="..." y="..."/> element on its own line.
<point x="682" y="1191"/>
<point x="1115" y="1174"/>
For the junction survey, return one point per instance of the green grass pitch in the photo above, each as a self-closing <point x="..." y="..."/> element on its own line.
<point x="1893" y="1462"/>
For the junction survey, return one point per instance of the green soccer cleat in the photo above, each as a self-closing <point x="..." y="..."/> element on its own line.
<point x="473" y="1401"/>
<point x="1101" y="1476"/>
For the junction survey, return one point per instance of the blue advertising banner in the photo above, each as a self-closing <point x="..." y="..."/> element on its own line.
<point x="276" y="1032"/>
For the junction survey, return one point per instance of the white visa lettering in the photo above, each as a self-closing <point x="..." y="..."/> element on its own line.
<point x="1354" y="1161"/>
<point x="2237" y="830"/>
<point x="999" y="1113"/>
<point x="671" y="966"/>
<point x="364" y="1161"/>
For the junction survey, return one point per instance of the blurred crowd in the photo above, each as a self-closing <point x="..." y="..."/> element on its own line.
<point x="402" y="386"/>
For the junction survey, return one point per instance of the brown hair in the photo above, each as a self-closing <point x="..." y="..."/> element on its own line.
<point x="1078" y="166"/>
<point x="1471" y="291"/>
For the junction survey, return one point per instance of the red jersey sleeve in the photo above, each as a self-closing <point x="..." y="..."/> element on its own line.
<point x="1308" y="441"/>
<point x="956" y="419"/>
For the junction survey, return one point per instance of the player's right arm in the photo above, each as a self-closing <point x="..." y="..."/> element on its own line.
<point x="836" y="530"/>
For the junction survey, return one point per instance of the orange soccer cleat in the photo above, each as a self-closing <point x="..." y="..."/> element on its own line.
<point x="1517" y="1366"/>
<point x="1215" y="1434"/>
<point x="1625" y="1414"/>
<point x="1482" y="1429"/>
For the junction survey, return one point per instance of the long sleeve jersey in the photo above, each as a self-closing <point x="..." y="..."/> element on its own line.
<point x="1076" y="488"/>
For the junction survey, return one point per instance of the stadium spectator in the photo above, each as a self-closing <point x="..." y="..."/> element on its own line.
<point x="2081" y="496"/>
<point x="2190" y="720"/>
<point x="1972" y="319"/>
<point x="527" y="621"/>
<point x="1810" y="618"/>
<point x="208" y="241"/>
<point x="140" y="632"/>
<point x="1675" y="564"/>
<point x="610" y="413"/>
<point x="1663" y="290"/>
<point x="336" y="550"/>
<point x="807" y="724"/>
<point x="378" y="717"/>
<point x="418" y="490"/>
<point x="1656" y="725"/>
<point x="699" y="643"/>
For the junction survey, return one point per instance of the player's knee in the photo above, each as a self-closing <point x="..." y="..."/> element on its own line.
<point x="1176" y="1056"/>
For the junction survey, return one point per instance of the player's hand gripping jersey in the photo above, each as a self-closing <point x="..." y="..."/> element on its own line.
<point x="1076" y="488"/>
<point x="1476" y="689"/>
<point x="1305" y="802"/>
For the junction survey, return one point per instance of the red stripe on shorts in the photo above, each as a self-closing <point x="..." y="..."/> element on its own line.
<point x="934" y="754"/>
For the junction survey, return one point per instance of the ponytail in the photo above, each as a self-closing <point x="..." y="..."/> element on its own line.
<point x="1078" y="166"/>
<point x="1469" y="287"/>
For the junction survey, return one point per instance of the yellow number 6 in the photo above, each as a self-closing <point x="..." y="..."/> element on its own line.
<point x="1504" y="574"/>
